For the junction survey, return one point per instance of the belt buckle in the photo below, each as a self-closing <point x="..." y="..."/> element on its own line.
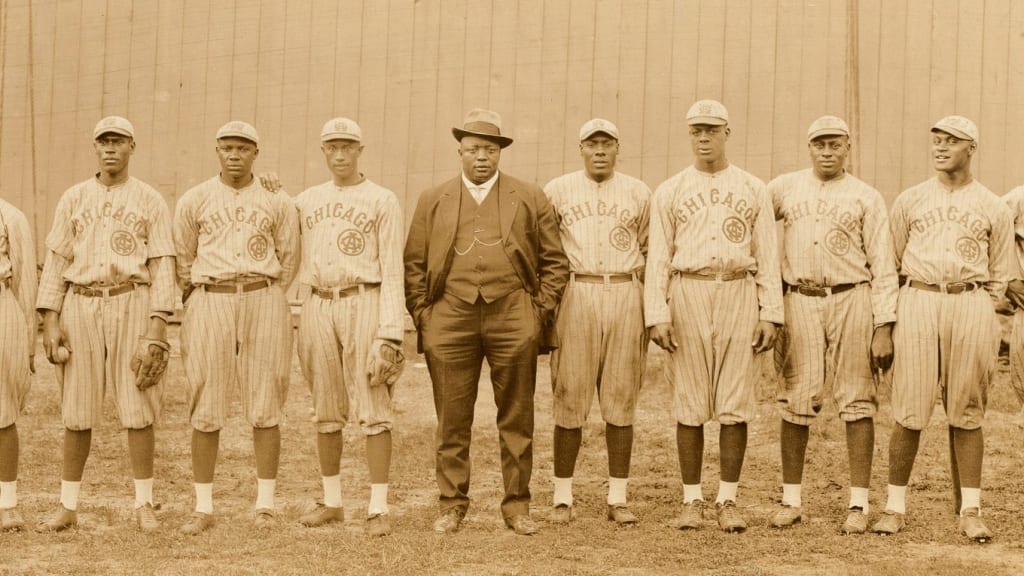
<point x="815" y="290"/>
<point x="955" y="287"/>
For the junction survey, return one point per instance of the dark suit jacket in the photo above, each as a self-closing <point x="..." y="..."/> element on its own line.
<point x="530" y="239"/>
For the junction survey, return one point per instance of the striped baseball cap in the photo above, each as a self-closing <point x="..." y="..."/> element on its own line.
<point x="341" y="129"/>
<point x="239" y="129"/>
<point x="827" y="126"/>
<point x="114" y="124"/>
<point x="959" y="126"/>
<point x="596" y="125"/>
<point x="710" y="112"/>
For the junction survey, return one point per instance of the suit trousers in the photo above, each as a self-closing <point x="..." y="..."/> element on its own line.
<point x="457" y="337"/>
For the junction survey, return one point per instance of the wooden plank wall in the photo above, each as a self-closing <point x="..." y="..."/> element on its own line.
<point x="407" y="71"/>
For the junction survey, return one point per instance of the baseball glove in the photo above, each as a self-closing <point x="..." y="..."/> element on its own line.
<point x="385" y="363"/>
<point x="150" y="362"/>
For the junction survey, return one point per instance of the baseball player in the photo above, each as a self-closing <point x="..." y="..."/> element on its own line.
<point x="108" y="280"/>
<point x="238" y="250"/>
<point x="603" y="217"/>
<point x="1015" y="293"/>
<point x="713" y="299"/>
<point x="17" y="348"/>
<point x="839" y="280"/>
<point x="953" y="242"/>
<point x="351" y="280"/>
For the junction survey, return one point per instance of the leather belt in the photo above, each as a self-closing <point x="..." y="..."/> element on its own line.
<point x="720" y="277"/>
<point x="820" y="291"/>
<point x="102" y="292"/>
<point x="946" y="287"/>
<point x="345" y="292"/>
<point x="603" y="278"/>
<point x="237" y="288"/>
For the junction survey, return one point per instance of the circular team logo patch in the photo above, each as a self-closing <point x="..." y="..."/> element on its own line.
<point x="620" y="238"/>
<point x="122" y="242"/>
<point x="735" y="229"/>
<point x="351" y="242"/>
<point x="968" y="249"/>
<point x="258" y="248"/>
<point x="837" y="242"/>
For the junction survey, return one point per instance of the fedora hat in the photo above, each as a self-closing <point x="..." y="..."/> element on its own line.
<point x="484" y="124"/>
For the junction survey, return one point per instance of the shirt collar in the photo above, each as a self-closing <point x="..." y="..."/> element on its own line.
<point x="486" y="185"/>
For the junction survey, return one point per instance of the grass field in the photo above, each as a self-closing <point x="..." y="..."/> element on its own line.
<point x="107" y="542"/>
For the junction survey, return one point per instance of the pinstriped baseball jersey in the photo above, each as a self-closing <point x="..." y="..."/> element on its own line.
<point x="355" y="235"/>
<point x="223" y="234"/>
<point x="17" y="313"/>
<point x="947" y="342"/>
<point x="603" y="224"/>
<point x="603" y="343"/>
<point x="106" y="236"/>
<point x="960" y="236"/>
<point x="836" y="232"/>
<point x="708" y="224"/>
<point x="1015" y="200"/>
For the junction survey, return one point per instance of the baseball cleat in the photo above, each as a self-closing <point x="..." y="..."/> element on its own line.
<point x="198" y="523"/>
<point x="729" y="518"/>
<point x="449" y="521"/>
<point x="890" y="523"/>
<point x="786" y="516"/>
<point x="972" y="526"/>
<point x="522" y="524"/>
<point x="322" y="515"/>
<point x="562" y="514"/>
<point x="621" y="515"/>
<point x="856" y="521"/>
<point x="692" y="517"/>
<point x="11" y="520"/>
<point x="145" y="518"/>
<point x="378" y="524"/>
<point x="264" y="518"/>
<point x="61" y="520"/>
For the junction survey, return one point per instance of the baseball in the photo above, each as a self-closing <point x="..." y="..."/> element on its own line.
<point x="61" y="355"/>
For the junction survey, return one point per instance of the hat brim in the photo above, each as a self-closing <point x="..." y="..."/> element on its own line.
<point x="239" y="136"/>
<point x="591" y="134"/>
<point x="707" y="120"/>
<point x="826" y="132"/>
<point x="953" y="132"/>
<point x="502" y="141"/>
<point x="118" y="131"/>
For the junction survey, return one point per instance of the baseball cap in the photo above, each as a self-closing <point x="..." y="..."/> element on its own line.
<point x="596" y="125"/>
<point x="827" y="126"/>
<point x="710" y="112"/>
<point x="958" y="126"/>
<point x="239" y="129"/>
<point x="341" y="129"/>
<point x="115" y="124"/>
<point x="485" y="124"/>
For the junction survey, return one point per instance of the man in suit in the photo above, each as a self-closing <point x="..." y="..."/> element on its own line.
<point x="484" y="271"/>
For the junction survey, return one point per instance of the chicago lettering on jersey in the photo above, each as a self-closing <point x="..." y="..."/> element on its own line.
<point x="583" y="210"/>
<point x="977" y="226"/>
<point x="226" y="216"/>
<point x="338" y="210"/>
<point x="129" y="219"/>
<point x="845" y="219"/>
<point x="742" y="204"/>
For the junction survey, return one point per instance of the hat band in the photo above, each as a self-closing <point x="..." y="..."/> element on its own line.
<point x="482" y="128"/>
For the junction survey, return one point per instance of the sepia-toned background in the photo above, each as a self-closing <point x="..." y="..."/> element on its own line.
<point x="408" y="70"/>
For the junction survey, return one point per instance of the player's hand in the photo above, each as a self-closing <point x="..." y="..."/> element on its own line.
<point x="270" y="181"/>
<point x="664" y="335"/>
<point x="1015" y="292"/>
<point x="764" y="337"/>
<point x="53" y="337"/>
<point x="881" y="348"/>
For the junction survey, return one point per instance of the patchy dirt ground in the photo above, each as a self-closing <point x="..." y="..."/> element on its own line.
<point x="106" y="542"/>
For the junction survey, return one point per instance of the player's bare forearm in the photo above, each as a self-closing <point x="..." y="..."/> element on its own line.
<point x="881" y="347"/>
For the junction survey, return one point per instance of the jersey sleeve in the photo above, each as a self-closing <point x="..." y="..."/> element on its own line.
<point x="24" y="272"/>
<point x="185" y="233"/>
<point x="881" y="265"/>
<point x="765" y="248"/>
<point x="287" y="243"/>
<point x="660" y="239"/>
<point x="390" y="240"/>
